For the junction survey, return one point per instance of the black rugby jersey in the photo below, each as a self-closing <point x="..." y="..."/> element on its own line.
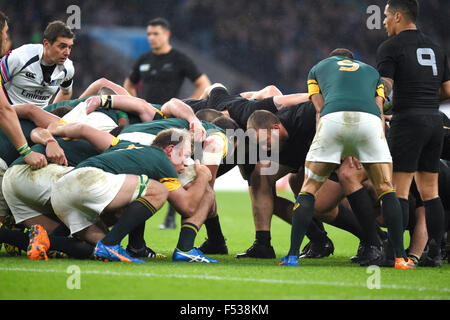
<point x="418" y="67"/>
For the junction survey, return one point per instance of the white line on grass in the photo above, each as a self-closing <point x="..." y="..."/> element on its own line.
<point x="218" y="278"/>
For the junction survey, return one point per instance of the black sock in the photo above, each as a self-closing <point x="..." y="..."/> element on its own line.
<point x="73" y="247"/>
<point x="316" y="232"/>
<point x="434" y="216"/>
<point x="136" y="213"/>
<point x="301" y="219"/>
<point x="361" y="204"/>
<point x="188" y="233"/>
<point x="404" y="203"/>
<point x="15" y="238"/>
<point x="263" y="237"/>
<point x="214" y="230"/>
<point x="61" y="230"/>
<point x="347" y="221"/>
<point x="136" y="237"/>
<point x="392" y="215"/>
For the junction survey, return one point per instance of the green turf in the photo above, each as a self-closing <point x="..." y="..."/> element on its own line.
<point x="256" y="279"/>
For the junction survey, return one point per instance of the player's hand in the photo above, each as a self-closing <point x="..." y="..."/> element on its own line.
<point x="197" y="130"/>
<point x="92" y="104"/>
<point x="36" y="160"/>
<point x="354" y="163"/>
<point x="202" y="170"/>
<point x="56" y="154"/>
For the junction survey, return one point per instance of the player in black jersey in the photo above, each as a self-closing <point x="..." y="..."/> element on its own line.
<point x="163" y="69"/>
<point x="417" y="71"/>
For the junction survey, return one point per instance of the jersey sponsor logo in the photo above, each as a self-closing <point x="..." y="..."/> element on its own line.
<point x="144" y="67"/>
<point x="30" y="75"/>
<point x="167" y="67"/>
<point x="36" y="95"/>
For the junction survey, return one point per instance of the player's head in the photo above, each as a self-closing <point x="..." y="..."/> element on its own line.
<point x="177" y="144"/>
<point x="265" y="127"/>
<point x="106" y="91"/>
<point x="58" y="41"/>
<point x="3" y="34"/>
<point x="342" y="52"/>
<point x="158" y="34"/>
<point x="398" y="14"/>
<point x="208" y="114"/>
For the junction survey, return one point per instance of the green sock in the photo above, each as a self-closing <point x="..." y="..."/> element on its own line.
<point x="391" y="211"/>
<point x="301" y="219"/>
<point x="188" y="233"/>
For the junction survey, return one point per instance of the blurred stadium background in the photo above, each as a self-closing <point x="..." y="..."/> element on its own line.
<point x="244" y="44"/>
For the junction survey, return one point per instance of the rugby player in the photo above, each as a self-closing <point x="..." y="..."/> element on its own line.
<point x="332" y="84"/>
<point x="416" y="70"/>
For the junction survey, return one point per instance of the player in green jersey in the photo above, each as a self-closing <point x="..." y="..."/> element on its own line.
<point x="348" y="97"/>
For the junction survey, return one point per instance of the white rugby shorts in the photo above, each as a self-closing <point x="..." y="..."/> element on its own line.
<point x="345" y="133"/>
<point x="27" y="192"/>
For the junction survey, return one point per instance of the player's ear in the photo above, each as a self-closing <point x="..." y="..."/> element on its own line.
<point x="168" y="150"/>
<point x="276" y="126"/>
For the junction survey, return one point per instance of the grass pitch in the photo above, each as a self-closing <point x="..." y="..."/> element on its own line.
<point x="231" y="279"/>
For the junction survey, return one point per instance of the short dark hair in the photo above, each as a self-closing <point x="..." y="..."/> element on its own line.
<point x="159" y="22"/>
<point x="208" y="114"/>
<point x="409" y="8"/>
<point x="342" y="52"/>
<point x="225" y="123"/>
<point x="262" y="119"/>
<point x="106" y="91"/>
<point x="57" y="29"/>
<point x="61" y="111"/>
<point x="172" y="136"/>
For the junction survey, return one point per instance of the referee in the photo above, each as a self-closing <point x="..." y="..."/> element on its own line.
<point x="417" y="71"/>
<point x="163" y="69"/>
<point x="162" y="72"/>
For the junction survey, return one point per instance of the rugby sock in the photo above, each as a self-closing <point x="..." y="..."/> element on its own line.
<point x="392" y="215"/>
<point x="404" y="203"/>
<point x="61" y="230"/>
<point x="188" y="233"/>
<point x="361" y="204"/>
<point x="434" y="216"/>
<point x="214" y="231"/>
<point x="301" y="219"/>
<point x="73" y="247"/>
<point x="347" y="221"/>
<point x="316" y="232"/>
<point x="263" y="237"/>
<point x="136" y="237"/>
<point x="136" y="213"/>
<point x="15" y="238"/>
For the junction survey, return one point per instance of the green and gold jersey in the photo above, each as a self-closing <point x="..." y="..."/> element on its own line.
<point x="75" y="150"/>
<point x="7" y="150"/>
<point x="129" y="158"/>
<point x="158" y="115"/>
<point x="346" y="85"/>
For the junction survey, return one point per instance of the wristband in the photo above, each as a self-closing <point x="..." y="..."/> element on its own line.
<point x="49" y="140"/>
<point x="106" y="101"/>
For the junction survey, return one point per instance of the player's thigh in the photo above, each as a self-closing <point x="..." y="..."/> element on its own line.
<point x="429" y="160"/>
<point x="328" y="197"/>
<point x="407" y="137"/>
